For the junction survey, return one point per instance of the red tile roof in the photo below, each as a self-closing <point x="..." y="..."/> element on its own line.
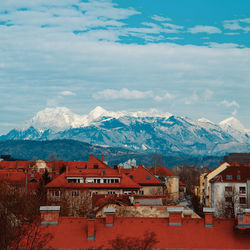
<point x="239" y="174"/>
<point x="143" y="176"/>
<point x="72" y="233"/>
<point x="125" y="181"/>
<point x="161" y="171"/>
<point x="12" y="176"/>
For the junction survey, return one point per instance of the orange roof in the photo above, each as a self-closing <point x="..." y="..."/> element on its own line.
<point x="143" y="176"/>
<point x="71" y="232"/>
<point x="61" y="181"/>
<point x="161" y="171"/>
<point x="12" y="176"/>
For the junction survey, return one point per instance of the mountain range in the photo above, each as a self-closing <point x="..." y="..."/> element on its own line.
<point x="162" y="133"/>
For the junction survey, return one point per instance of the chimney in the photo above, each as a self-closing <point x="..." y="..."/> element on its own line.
<point x="187" y="213"/>
<point x="243" y="219"/>
<point x="91" y="227"/>
<point x="110" y="216"/>
<point x="175" y="216"/>
<point x="49" y="215"/>
<point x="209" y="216"/>
<point x="102" y="158"/>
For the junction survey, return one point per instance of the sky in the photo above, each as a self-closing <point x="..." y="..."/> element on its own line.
<point x="189" y="58"/>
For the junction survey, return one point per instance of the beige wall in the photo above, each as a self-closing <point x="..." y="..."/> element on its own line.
<point x="173" y="187"/>
<point x="152" y="190"/>
<point x="206" y="189"/>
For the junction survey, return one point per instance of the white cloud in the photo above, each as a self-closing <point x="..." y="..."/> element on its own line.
<point x="237" y="24"/>
<point x="192" y="99"/>
<point x="232" y="33"/>
<point x="166" y="96"/>
<point x="161" y="18"/>
<point x="67" y="93"/>
<point x="224" y="45"/>
<point x="122" y="94"/>
<point x="172" y="26"/>
<point x="204" y="29"/>
<point x="229" y="104"/>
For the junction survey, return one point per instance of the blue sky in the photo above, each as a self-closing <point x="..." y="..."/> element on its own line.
<point x="190" y="58"/>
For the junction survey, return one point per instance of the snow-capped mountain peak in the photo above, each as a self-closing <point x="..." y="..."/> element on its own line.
<point x="97" y="112"/>
<point x="58" y="118"/>
<point x="234" y="127"/>
<point x="233" y="123"/>
<point x="204" y="120"/>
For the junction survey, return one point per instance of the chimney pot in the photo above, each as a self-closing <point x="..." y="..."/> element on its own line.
<point x="175" y="216"/>
<point x="91" y="227"/>
<point x="209" y="216"/>
<point x="49" y="215"/>
<point x="110" y="216"/>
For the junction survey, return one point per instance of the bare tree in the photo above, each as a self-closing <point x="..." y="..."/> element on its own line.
<point x="147" y="242"/>
<point x="228" y="205"/>
<point x="19" y="212"/>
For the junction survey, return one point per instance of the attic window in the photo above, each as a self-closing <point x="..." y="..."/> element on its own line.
<point x="131" y="176"/>
<point x="238" y="177"/>
<point x="96" y="166"/>
<point x="229" y="177"/>
<point x="148" y="177"/>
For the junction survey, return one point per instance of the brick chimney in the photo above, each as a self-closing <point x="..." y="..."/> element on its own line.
<point x="110" y="216"/>
<point x="175" y="216"/>
<point x="187" y="213"/>
<point x="243" y="219"/>
<point x="49" y="215"/>
<point x="90" y="227"/>
<point x="102" y="158"/>
<point x="209" y="216"/>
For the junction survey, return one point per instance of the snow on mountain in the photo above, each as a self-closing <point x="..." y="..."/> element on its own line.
<point x="150" y="131"/>
<point x="234" y="127"/>
<point x="57" y="119"/>
<point x="61" y="118"/>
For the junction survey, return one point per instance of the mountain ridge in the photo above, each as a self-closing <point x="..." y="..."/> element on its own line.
<point x="141" y="131"/>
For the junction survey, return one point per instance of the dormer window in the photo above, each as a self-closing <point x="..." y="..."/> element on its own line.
<point x="75" y="179"/>
<point x="229" y="177"/>
<point x="96" y="166"/>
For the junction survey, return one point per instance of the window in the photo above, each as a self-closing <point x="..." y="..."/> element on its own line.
<point x="96" y="166"/>
<point x="238" y="177"/>
<point x="229" y="177"/>
<point x="228" y="189"/>
<point x="141" y="192"/>
<point x="116" y="180"/>
<point x="75" y="180"/>
<point x="55" y="193"/>
<point x="111" y="192"/>
<point x="242" y="190"/>
<point x="127" y="192"/>
<point x="148" y="177"/>
<point x="75" y="193"/>
<point x="242" y="200"/>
